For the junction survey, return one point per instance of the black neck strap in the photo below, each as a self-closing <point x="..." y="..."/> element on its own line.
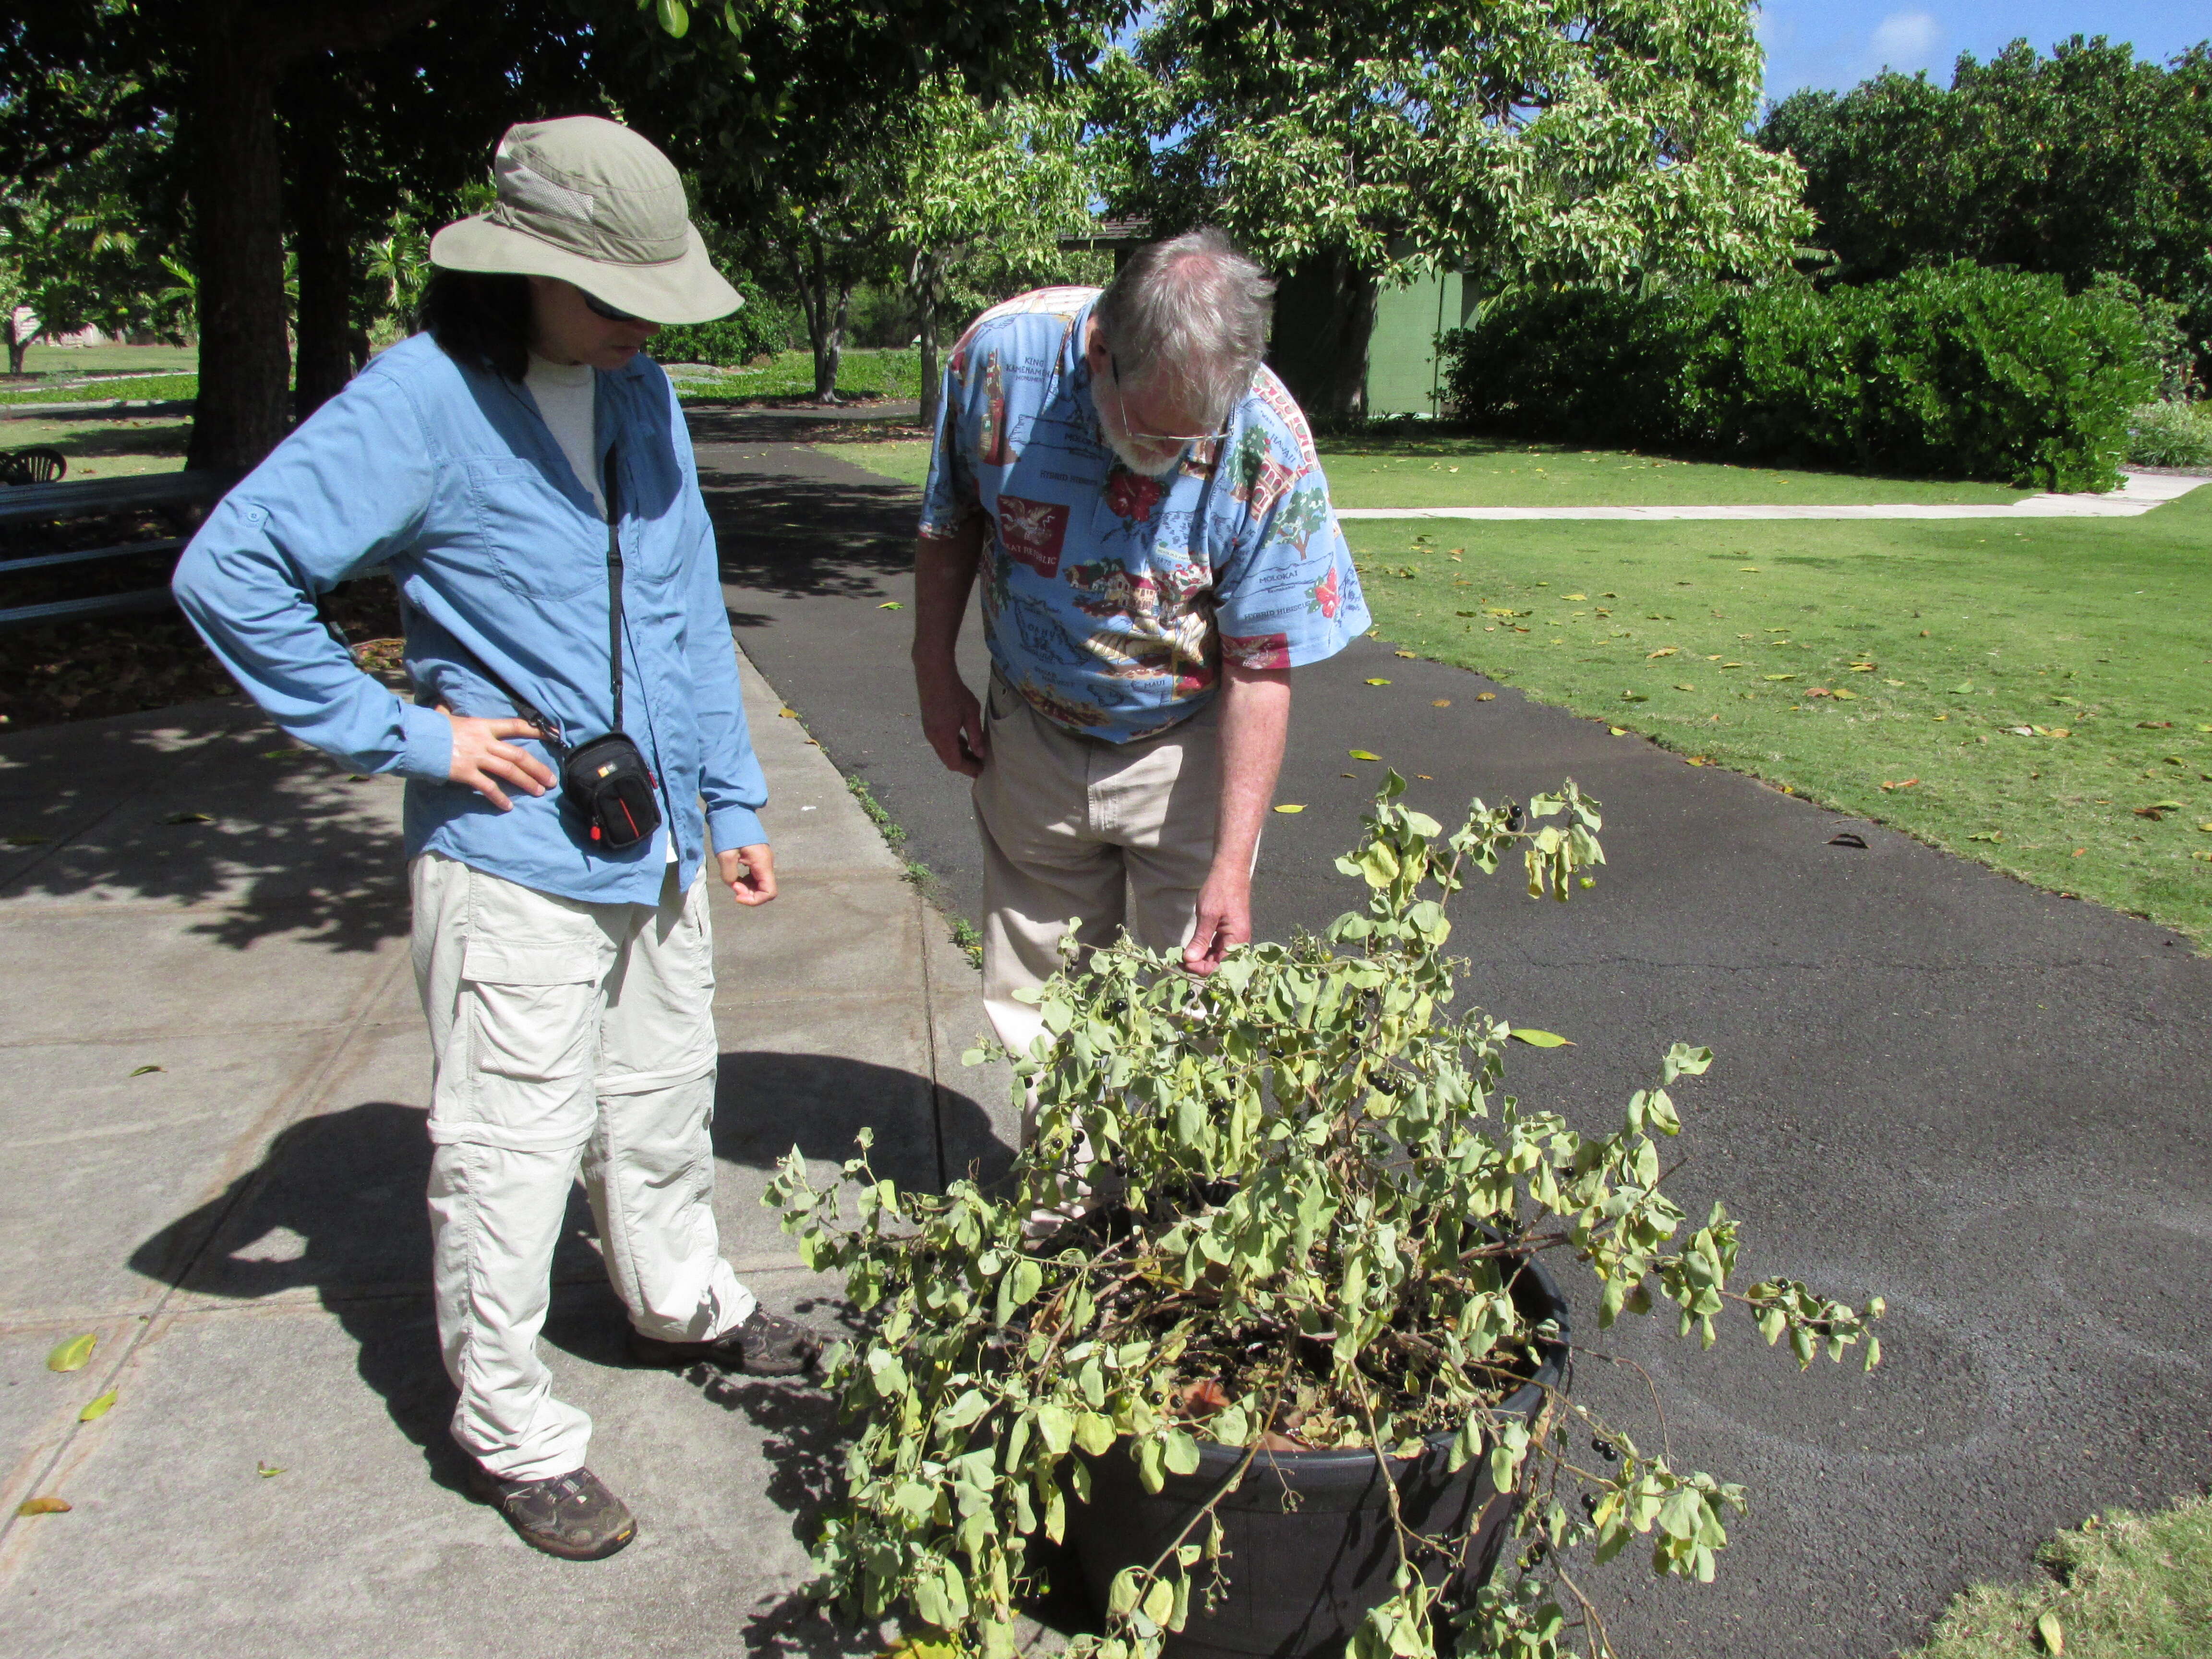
<point x="614" y="585"/>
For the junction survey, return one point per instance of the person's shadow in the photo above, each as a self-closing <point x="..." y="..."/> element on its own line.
<point x="337" y="1207"/>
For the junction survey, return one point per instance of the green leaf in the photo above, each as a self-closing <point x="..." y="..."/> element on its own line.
<point x="676" y="19"/>
<point x="1094" y="1432"/>
<point x="1055" y="1426"/>
<point x="1362" y="754"/>
<point x="1180" y="1453"/>
<point x="2048" y="1632"/>
<point x="70" y="1356"/>
<point x="265" y="1470"/>
<point x="1536" y="1039"/>
<point x="1159" y="1602"/>
<point x="97" y="1408"/>
<point x="1287" y="807"/>
<point x="141" y="1070"/>
<point x="43" y="1506"/>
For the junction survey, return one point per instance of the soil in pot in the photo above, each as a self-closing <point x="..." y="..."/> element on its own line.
<point x="1309" y="1533"/>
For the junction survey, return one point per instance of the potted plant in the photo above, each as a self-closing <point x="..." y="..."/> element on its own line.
<point x="1259" y="1320"/>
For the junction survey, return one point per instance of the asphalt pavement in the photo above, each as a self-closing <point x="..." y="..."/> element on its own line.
<point x="1985" y="1102"/>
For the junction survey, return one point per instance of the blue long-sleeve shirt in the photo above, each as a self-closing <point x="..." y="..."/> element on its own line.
<point x="452" y="479"/>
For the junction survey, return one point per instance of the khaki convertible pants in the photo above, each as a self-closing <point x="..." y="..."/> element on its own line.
<point x="564" y="1035"/>
<point x="1101" y="834"/>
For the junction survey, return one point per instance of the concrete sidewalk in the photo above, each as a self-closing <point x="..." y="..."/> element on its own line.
<point x="243" y="1227"/>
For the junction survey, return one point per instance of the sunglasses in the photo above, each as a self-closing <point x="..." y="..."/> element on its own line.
<point x="599" y="308"/>
<point x="1115" y="364"/>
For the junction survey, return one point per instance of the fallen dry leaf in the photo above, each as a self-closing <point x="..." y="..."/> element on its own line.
<point x="1441" y="702"/>
<point x="1378" y="682"/>
<point x="1536" y="1039"/>
<point x="99" y="1408"/>
<point x="188" y="817"/>
<point x="1664" y="651"/>
<point x="43" y="1506"/>
<point x="1407" y="655"/>
<point x="1362" y="754"/>
<point x="1287" y="807"/>
<point x="141" y="1070"/>
<point x="1486" y="696"/>
<point x="890" y="604"/>
<point x="1906" y="783"/>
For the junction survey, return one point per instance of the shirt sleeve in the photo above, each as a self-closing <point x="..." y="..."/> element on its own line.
<point x="731" y="781"/>
<point x="1288" y="595"/>
<point x="950" y="500"/>
<point x="339" y="496"/>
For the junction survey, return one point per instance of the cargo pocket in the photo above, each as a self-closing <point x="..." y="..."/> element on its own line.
<point x="530" y="1011"/>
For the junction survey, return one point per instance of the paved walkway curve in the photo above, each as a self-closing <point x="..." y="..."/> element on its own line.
<point x="1984" y="1102"/>
<point x="2141" y="492"/>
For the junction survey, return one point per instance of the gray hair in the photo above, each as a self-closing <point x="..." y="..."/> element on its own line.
<point x="1193" y="310"/>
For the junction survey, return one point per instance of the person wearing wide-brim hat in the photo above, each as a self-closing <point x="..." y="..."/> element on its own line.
<point x="523" y="474"/>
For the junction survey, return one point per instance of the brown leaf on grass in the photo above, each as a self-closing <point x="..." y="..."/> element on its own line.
<point x="1664" y="651"/>
<point x="1907" y="783"/>
<point x="2155" y="814"/>
<point x="2154" y="726"/>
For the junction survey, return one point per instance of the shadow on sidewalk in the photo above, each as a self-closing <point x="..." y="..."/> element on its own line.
<point x="206" y="803"/>
<point x="336" y="1205"/>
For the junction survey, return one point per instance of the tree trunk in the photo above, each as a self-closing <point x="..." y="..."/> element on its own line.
<point x="238" y="233"/>
<point x="929" y="268"/>
<point x="829" y="355"/>
<point x="1324" y="318"/>
<point x="322" y="236"/>
<point x="16" y="347"/>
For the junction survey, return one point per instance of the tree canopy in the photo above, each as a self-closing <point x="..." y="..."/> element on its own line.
<point x="2089" y="161"/>
<point x="1567" y="139"/>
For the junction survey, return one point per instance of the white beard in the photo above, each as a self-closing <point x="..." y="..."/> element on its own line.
<point x="1127" y="452"/>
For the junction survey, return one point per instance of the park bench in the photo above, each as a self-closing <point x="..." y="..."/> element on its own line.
<point x="168" y="493"/>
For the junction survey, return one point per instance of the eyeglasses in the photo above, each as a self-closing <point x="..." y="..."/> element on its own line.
<point x="601" y="308"/>
<point x="1185" y="438"/>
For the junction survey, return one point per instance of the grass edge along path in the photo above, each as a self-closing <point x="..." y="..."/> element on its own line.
<point x="2036" y="698"/>
<point x="2121" y="1586"/>
<point x="1371" y="475"/>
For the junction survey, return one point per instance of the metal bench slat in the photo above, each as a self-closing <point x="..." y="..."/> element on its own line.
<point x="104" y="604"/>
<point x="86" y="555"/>
<point x="84" y="498"/>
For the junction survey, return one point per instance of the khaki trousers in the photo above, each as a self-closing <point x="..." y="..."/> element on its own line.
<point x="1104" y="835"/>
<point x="564" y="1036"/>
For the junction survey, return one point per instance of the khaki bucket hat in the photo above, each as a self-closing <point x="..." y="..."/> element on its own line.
<point x="592" y="203"/>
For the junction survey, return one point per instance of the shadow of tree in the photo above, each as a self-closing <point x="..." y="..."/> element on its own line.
<point x="336" y="1205"/>
<point x="201" y="803"/>
<point x="796" y="536"/>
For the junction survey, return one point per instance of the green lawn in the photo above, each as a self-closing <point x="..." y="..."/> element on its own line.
<point x="104" y="448"/>
<point x="162" y="386"/>
<point x="2121" y="1587"/>
<point x="1477" y="472"/>
<point x="2021" y="689"/>
<point x="860" y="375"/>
<point x="67" y="363"/>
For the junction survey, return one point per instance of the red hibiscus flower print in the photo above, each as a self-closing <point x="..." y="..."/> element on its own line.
<point x="1132" y="495"/>
<point x="1324" y="597"/>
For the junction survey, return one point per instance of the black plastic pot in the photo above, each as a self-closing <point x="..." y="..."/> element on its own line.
<point x="1308" y="1532"/>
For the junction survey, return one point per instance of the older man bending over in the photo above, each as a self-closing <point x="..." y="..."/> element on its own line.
<point x="1162" y="554"/>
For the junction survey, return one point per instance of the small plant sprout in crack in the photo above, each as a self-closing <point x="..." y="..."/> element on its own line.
<point x="1285" y="1211"/>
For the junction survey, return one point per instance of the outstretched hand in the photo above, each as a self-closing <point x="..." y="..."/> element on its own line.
<point x="483" y="762"/>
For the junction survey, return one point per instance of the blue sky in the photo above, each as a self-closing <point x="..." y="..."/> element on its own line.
<point x="1819" y="43"/>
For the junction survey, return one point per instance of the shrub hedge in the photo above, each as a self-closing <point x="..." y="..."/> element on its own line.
<point x="761" y="325"/>
<point x="2171" y="433"/>
<point x="1955" y="369"/>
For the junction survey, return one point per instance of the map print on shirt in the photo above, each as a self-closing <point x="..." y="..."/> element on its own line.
<point x="1110" y="597"/>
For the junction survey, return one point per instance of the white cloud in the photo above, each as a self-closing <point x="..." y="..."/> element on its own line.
<point x="1906" y="40"/>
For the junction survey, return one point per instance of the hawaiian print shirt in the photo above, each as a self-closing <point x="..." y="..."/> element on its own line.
<point x="1111" y="597"/>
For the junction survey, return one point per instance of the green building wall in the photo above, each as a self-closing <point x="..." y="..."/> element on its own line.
<point x="1403" y="375"/>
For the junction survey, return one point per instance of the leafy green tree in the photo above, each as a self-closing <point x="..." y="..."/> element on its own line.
<point x="980" y="191"/>
<point x="1377" y="140"/>
<point x="2086" y="162"/>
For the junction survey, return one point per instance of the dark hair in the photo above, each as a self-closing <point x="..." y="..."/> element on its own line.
<point x="479" y="319"/>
